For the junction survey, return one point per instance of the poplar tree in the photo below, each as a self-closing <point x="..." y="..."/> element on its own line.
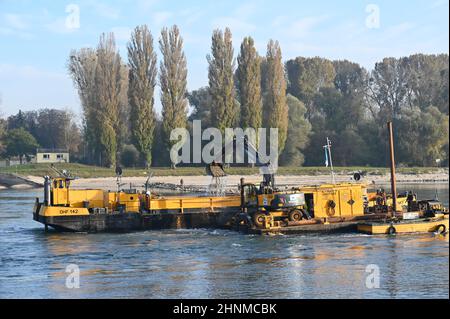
<point x="299" y="130"/>
<point x="142" y="82"/>
<point x="224" y="108"/>
<point x="275" y="108"/>
<point x="82" y="64"/>
<point x="248" y="75"/>
<point x="101" y="80"/>
<point x="108" y="85"/>
<point x="172" y="78"/>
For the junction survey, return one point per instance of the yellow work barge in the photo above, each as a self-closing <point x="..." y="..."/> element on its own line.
<point x="438" y="224"/>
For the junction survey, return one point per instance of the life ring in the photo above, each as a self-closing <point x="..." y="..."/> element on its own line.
<point x="441" y="229"/>
<point x="331" y="205"/>
<point x="391" y="230"/>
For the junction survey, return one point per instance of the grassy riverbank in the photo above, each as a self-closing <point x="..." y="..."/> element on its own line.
<point x="86" y="171"/>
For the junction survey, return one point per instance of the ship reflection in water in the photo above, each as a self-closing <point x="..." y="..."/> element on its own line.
<point x="215" y="263"/>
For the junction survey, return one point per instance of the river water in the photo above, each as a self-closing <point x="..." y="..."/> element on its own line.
<point x="205" y="263"/>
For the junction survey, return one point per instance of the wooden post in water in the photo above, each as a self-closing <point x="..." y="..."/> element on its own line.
<point x="393" y="180"/>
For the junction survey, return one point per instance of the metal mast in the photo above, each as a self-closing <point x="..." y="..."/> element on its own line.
<point x="328" y="149"/>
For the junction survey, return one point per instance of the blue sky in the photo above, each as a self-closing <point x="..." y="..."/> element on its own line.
<point x="35" y="39"/>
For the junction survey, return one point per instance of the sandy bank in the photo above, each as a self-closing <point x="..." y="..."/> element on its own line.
<point x="109" y="183"/>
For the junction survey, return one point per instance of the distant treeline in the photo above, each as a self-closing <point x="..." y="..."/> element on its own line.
<point x="307" y="99"/>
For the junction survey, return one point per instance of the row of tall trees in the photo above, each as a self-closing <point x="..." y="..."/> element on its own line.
<point x="118" y="98"/>
<point x="307" y="99"/>
<point x="351" y="106"/>
<point x="253" y="95"/>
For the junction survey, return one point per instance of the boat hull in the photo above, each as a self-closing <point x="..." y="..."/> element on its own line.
<point x="329" y="228"/>
<point x="416" y="226"/>
<point x="125" y="222"/>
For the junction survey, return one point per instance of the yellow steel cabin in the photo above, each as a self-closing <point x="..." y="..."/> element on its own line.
<point x="335" y="200"/>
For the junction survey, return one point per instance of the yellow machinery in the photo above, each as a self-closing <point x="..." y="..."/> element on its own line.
<point x="266" y="207"/>
<point x="321" y="202"/>
<point x="379" y="201"/>
<point x="335" y="200"/>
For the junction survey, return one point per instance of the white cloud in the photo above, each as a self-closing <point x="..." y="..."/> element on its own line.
<point x="12" y="32"/>
<point x="122" y="33"/>
<point x="245" y="10"/>
<point x="399" y="29"/>
<point x="59" y="26"/>
<point x="304" y="27"/>
<point x="192" y="15"/>
<point x="239" y="21"/>
<point x="161" y="17"/>
<point x="101" y="8"/>
<point x="15" y="21"/>
<point x="145" y="5"/>
<point x="15" y="25"/>
<point x="27" y="71"/>
<point x="279" y="20"/>
<point x="236" y="25"/>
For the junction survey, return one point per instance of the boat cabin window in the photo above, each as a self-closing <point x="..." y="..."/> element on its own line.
<point x="61" y="184"/>
<point x="46" y="156"/>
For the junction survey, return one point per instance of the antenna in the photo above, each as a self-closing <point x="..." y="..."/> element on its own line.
<point x="118" y="177"/>
<point x="328" y="154"/>
<point x="147" y="182"/>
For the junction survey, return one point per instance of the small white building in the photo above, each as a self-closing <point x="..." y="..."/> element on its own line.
<point x="44" y="155"/>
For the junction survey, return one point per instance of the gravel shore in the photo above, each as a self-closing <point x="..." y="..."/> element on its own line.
<point x="109" y="183"/>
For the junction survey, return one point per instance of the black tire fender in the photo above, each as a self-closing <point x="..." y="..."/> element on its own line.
<point x="391" y="230"/>
<point x="441" y="229"/>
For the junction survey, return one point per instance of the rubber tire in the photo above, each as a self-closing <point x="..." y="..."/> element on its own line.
<point x="295" y="215"/>
<point x="391" y="230"/>
<point x="441" y="229"/>
<point x="258" y="219"/>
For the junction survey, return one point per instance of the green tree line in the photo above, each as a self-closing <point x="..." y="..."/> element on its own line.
<point x="307" y="98"/>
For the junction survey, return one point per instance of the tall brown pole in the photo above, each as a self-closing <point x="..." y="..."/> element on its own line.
<point x="393" y="180"/>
